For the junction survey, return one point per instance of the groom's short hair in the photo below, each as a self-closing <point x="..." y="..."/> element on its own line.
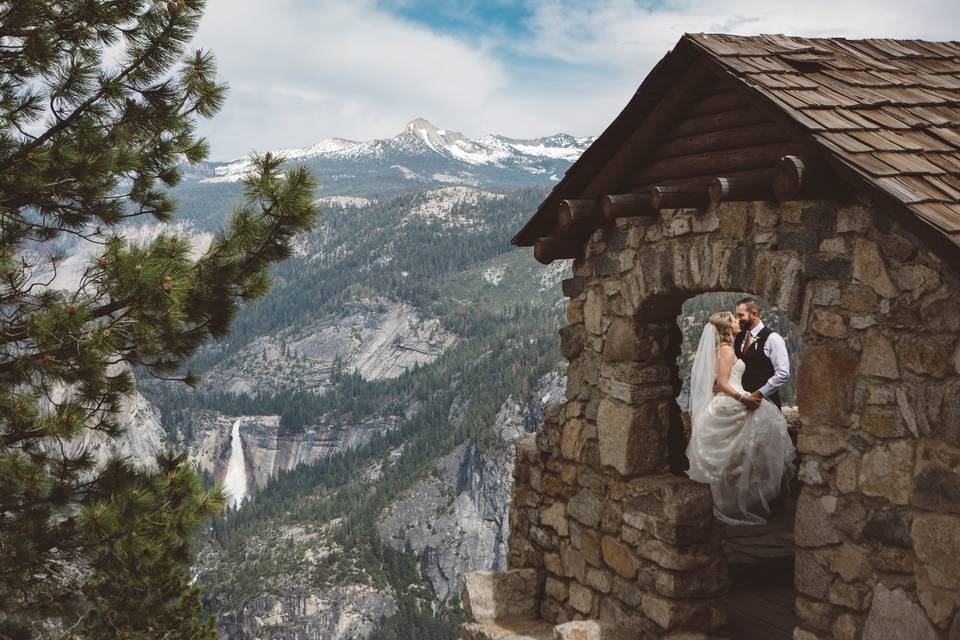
<point x="752" y="305"/>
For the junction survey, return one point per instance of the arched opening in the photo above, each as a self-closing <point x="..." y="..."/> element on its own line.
<point x="760" y="559"/>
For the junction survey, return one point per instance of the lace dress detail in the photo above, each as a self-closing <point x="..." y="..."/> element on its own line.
<point x="744" y="455"/>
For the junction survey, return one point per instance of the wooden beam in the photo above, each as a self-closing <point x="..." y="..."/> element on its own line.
<point x="737" y="138"/>
<point x="790" y="174"/>
<point x="744" y="189"/>
<point x="717" y="162"/>
<point x="628" y="205"/>
<point x="578" y="216"/>
<point x="728" y="100"/>
<point x="550" y="248"/>
<point x="679" y="196"/>
<point x="717" y="122"/>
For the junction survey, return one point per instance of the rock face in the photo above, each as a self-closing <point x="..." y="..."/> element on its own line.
<point x="348" y="612"/>
<point x="143" y="435"/>
<point x="468" y="530"/>
<point x="379" y="338"/>
<point x="268" y="448"/>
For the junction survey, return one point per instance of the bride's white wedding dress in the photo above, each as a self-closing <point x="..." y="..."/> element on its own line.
<point x="742" y="454"/>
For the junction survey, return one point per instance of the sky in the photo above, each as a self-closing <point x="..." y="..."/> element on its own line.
<point x="303" y="70"/>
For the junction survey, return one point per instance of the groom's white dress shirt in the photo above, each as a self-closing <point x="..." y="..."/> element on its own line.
<point x="775" y="348"/>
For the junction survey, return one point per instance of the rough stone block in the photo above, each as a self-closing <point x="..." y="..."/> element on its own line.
<point x="811" y="577"/>
<point x="599" y="579"/>
<point x="878" y="358"/>
<point x="889" y="526"/>
<point x="894" y="616"/>
<point x="883" y="422"/>
<point x="887" y="471"/>
<point x="936" y="485"/>
<point x="825" y="384"/>
<point x="936" y="540"/>
<point x="571" y="560"/>
<point x="556" y="589"/>
<point x="571" y="340"/>
<point x="581" y="598"/>
<point x="869" y="268"/>
<point x="927" y="355"/>
<point x="624" y="342"/>
<point x="489" y="596"/>
<point x="632" y="439"/>
<point x="851" y="563"/>
<point x="671" y="614"/>
<point x="593" y="311"/>
<point x="618" y="557"/>
<point x="813" y="526"/>
<point x="586" y="507"/>
<point x="555" y="516"/>
<point x="573" y="439"/>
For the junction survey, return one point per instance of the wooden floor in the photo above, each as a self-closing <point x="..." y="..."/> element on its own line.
<point x="760" y="604"/>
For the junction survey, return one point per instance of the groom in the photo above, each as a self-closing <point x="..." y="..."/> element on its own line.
<point x="765" y="354"/>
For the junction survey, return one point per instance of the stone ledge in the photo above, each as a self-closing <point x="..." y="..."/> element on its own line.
<point x="539" y="630"/>
<point x="492" y="596"/>
<point x="594" y="630"/>
<point x="515" y="630"/>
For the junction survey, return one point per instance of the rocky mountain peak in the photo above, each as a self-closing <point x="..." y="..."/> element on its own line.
<point x="424" y="130"/>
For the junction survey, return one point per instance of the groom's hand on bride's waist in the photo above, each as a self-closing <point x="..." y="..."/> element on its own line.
<point x="753" y="402"/>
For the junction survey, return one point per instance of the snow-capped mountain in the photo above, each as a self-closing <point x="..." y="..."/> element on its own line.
<point x="423" y="153"/>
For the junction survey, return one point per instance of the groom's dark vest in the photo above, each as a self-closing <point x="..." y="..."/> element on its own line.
<point x="759" y="368"/>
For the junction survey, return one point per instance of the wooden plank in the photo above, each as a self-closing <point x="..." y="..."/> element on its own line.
<point x="724" y="101"/>
<point x="718" y="162"/>
<point x="578" y="215"/>
<point x="716" y="122"/>
<point x="703" y="180"/>
<point x="725" y="189"/>
<point x="629" y="205"/>
<point x="550" y="248"/>
<point x="738" y="137"/>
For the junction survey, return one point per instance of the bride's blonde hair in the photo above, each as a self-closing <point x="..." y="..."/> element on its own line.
<point x="723" y="322"/>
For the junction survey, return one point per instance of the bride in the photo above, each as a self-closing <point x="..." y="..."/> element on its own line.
<point x="742" y="454"/>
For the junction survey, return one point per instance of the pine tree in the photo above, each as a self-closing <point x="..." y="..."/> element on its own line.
<point x="89" y="142"/>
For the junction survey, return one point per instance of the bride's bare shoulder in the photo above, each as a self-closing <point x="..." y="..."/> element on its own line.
<point x="726" y="351"/>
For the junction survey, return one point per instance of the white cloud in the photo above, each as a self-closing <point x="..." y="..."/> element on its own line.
<point x="300" y="71"/>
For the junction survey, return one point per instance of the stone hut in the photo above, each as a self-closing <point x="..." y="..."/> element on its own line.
<point x="824" y="176"/>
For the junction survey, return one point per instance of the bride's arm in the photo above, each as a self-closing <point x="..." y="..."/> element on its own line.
<point x="725" y="361"/>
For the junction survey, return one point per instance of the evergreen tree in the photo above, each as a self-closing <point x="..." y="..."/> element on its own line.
<point x="89" y="142"/>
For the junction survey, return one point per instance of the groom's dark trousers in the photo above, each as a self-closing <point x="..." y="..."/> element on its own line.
<point x="759" y="367"/>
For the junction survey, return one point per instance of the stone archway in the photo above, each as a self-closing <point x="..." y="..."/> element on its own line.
<point x="618" y="537"/>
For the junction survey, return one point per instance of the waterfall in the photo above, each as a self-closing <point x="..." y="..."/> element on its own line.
<point x="235" y="482"/>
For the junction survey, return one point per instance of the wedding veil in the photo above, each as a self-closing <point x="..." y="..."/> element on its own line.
<point x="704" y="372"/>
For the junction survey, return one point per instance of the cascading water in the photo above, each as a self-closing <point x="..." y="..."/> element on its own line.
<point x="235" y="482"/>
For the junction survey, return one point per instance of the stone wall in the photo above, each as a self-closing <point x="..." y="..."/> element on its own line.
<point x="617" y="537"/>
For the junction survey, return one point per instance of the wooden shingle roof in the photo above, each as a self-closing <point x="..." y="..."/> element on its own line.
<point x="888" y="111"/>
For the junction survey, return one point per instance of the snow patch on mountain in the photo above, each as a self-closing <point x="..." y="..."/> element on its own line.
<point x="344" y="201"/>
<point x="407" y="173"/>
<point x="554" y="273"/>
<point x="420" y="138"/>
<point x="494" y="275"/>
<point x="450" y="205"/>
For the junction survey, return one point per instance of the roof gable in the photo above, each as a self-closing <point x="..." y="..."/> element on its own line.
<point x="885" y="112"/>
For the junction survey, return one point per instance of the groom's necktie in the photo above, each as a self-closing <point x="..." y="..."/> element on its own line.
<point x="747" y="341"/>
